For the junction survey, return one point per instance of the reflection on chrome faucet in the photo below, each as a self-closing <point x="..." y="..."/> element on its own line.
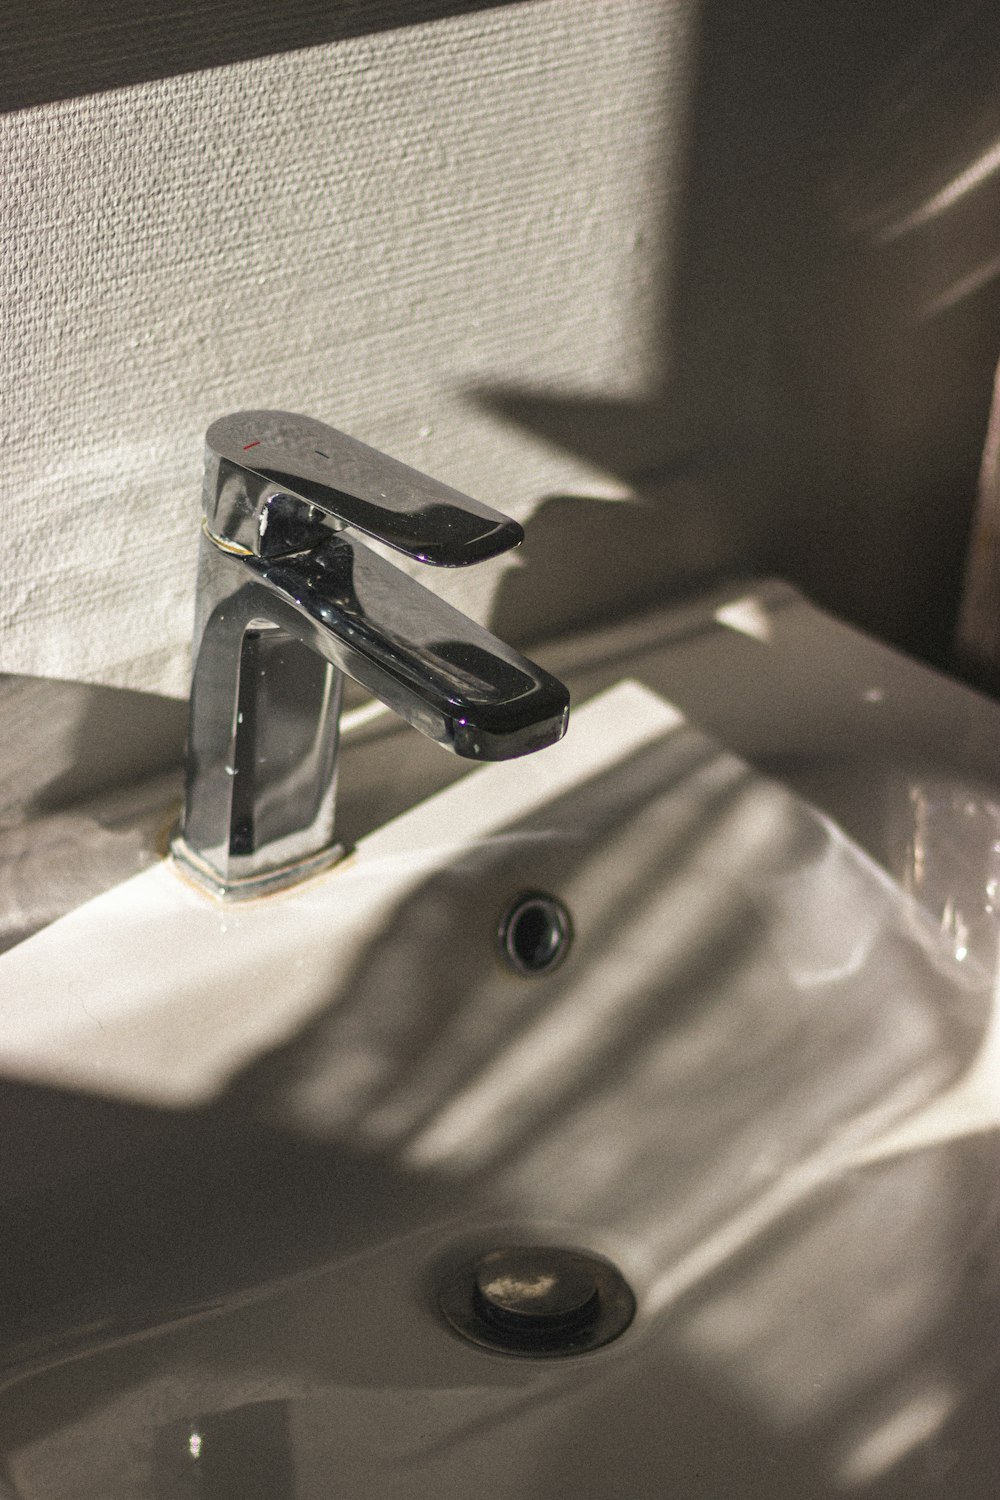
<point x="289" y="599"/>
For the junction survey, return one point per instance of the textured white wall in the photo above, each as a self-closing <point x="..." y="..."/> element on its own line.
<point x="366" y="231"/>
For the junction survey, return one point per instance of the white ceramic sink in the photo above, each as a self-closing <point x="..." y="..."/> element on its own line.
<point x="247" y="1148"/>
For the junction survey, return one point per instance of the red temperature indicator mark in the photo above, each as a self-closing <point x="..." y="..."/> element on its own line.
<point x="254" y="444"/>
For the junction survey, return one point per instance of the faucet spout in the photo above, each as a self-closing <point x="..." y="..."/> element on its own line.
<point x="279" y="623"/>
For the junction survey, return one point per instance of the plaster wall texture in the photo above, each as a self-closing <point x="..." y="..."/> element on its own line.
<point x="376" y="231"/>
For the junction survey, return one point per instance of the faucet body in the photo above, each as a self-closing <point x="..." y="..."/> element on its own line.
<point x="289" y="599"/>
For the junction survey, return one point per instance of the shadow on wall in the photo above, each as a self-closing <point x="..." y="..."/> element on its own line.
<point x="577" y="552"/>
<point x="55" y="50"/>
<point x="829" y="330"/>
<point x="86" y="776"/>
<point x="829" y="325"/>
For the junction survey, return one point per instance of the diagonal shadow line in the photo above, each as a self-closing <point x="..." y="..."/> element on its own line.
<point x="58" y="50"/>
<point x="618" y="1053"/>
<point x="257" y="1203"/>
<point x="438" y="990"/>
<point x="202" y="1170"/>
<point x="175" y="1215"/>
<point x="795" y="420"/>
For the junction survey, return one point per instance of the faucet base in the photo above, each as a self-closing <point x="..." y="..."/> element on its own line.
<point x="250" y="887"/>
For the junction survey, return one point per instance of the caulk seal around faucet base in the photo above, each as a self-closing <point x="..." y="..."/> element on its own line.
<point x="251" y="887"/>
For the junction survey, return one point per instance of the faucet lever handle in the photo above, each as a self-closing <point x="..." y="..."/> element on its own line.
<point x="277" y="483"/>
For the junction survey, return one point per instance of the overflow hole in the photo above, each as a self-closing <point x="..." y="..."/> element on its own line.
<point x="535" y="934"/>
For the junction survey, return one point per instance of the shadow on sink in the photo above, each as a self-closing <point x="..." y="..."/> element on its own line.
<point x="705" y="1090"/>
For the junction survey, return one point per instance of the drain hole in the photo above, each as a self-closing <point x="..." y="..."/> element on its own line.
<point x="538" y="1301"/>
<point x="535" y="934"/>
<point x="529" y="1290"/>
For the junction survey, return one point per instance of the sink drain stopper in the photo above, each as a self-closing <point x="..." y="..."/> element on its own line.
<point x="539" y="1301"/>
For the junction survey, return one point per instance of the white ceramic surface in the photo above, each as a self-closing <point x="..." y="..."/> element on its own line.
<point x="763" y="1083"/>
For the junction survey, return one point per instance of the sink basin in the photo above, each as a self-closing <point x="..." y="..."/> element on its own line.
<point x="248" y="1149"/>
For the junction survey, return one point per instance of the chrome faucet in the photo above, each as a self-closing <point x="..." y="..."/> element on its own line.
<point x="289" y="599"/>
